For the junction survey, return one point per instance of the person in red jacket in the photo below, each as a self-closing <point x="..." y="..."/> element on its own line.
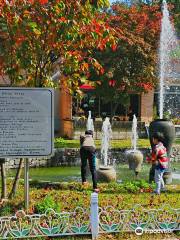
<point x="159" y="159"/>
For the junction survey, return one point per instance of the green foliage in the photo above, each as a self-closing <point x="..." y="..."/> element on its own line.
<point x="167" y="115"/>
<point x="176" y="121"/>
<point x="6" y="210"/>
<point x="155" y="115"/>
<point x="121" y="196"/>
<point x="125" y="143"/>
<point x="129" y="187"/>
<point x="59" y="141"/>
<point x="46" y="203"/>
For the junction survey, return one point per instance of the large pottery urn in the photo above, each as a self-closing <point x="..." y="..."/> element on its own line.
<point x="106" y="174"/>
<point x="167" y="128"/>
<point x="135" y="160"/>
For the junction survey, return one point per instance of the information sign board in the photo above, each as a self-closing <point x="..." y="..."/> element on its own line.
<point x="26" y="122"/>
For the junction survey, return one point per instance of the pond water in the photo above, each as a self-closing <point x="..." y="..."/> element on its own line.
<point x="54" y="174"/>
<point x="71" y="174"/>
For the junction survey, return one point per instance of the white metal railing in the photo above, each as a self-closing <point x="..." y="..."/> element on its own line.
<point x="94" y="220"/>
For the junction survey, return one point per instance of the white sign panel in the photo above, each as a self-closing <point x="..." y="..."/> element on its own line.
<point x="26" y="122"/>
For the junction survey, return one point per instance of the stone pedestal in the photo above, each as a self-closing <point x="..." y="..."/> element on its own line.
<point x="167" y="177"/>
<point x="106" y="174"/>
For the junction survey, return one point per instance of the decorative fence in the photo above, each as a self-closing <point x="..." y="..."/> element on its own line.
<point x="92" y="221"/>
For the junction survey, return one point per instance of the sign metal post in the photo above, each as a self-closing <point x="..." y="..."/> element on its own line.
<point x="26" y="126"/>
<point x="26" y="183"/>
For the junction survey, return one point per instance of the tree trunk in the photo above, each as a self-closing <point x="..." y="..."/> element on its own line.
<point x="16" y="180"/>
<point x="114" y="107"/>
<point x="3" y="180"/>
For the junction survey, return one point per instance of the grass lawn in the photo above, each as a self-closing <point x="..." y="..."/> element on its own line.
<point x="124" y="143"/>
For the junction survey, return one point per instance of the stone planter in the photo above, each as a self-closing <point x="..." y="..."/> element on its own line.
<point x="167" y="176"/>
<point x="106" y="174"/>
<point x="130" y="160"/>
<point x="135" y="159"/>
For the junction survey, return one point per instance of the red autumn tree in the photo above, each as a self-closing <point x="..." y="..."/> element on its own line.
<point x="41" y="37"/>
<point x="130" y="67"/>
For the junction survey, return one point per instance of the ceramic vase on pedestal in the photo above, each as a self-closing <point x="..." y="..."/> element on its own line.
<point x="106" y="174"/>
<point x="167" y="128"/>
<point x="135" y="160"/>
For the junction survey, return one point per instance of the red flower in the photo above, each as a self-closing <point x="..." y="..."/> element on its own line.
<point x="102" y="71"/>
<point x="112" y="82"/>
<point x="31" y="1"/>
<point x="114" y="47"/>
<point x="43" y="1"/>
<point x="145" y="86"/>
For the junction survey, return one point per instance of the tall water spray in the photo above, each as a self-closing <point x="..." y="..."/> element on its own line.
<point x="134" y="156"/>
<point x="168" y="43"/>
<point x="106" y="136"/>
<point x="134" y="133"/>
<point x="89" y="124"/>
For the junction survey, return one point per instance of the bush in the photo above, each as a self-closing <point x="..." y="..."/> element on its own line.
<point x="6" y="210"/>
<point x="46" y="203"/>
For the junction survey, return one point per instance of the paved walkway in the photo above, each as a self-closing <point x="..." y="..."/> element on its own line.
<point x="176" y="176"/>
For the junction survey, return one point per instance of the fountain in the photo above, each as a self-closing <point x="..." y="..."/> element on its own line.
<point x="106" y="172"/>
<point x="134" y="135"/>
<point x="134" y="156"/>
<point x="89" y="124"/>
<point x="105" y="142"/>
<point x="168" y="44"/>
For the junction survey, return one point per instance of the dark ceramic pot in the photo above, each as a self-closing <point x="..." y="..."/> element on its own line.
<point x="167" y="128"/>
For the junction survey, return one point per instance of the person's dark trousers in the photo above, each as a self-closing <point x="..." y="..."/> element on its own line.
<point x="152" y="173"/>
<point x="88" y="153"/>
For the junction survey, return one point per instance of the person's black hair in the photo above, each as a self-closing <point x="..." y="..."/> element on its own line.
<point x="89" y="132"/>
<point x="159" y="136"/>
